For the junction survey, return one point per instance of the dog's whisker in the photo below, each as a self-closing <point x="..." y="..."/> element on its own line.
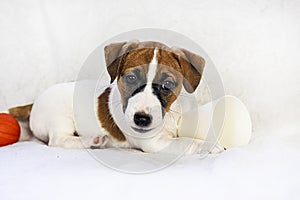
<point x="184" y="95"/>
<point x="172" y="116"/>
<point x="115" y="102"/>
<point x="177" y="112"/>
<point x="102" y="87"/>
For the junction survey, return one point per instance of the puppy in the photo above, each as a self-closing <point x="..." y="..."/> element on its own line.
<point x="138" y="109"/>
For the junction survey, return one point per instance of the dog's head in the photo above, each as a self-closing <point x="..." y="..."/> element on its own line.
<point x="150" y="76"/>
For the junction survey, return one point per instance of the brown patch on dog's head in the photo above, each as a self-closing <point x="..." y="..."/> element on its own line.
<point x="134" y="57"/>
<point x="168" y="72"/>
<point x="121" y="56"/>
<point x="115" y="54"/>
<point x="137" y="57"/>
<point x="128" y="89"/>
<point x="192" y="67"/>
<point x="182" y="67"/>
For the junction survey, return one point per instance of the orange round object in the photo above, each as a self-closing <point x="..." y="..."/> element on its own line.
<point x="9" y="129"/>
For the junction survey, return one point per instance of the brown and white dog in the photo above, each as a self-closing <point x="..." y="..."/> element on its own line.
<point x="139" y="109"/>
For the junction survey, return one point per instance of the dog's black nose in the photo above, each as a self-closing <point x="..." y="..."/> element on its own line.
<point x="142" y="119"/>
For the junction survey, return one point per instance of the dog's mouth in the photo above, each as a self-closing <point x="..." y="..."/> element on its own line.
<point x="141" y="130"/>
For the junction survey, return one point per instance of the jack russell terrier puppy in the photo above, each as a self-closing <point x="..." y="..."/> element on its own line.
<point x="138" y="109"/>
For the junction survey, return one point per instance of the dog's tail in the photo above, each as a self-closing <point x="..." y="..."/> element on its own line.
<point x="22" y="113"/>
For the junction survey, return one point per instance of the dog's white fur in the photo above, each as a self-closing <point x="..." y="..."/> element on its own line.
<point x="53" y="119"/>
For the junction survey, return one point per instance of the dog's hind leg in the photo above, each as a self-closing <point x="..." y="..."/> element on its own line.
<point x="67" y="140"/>
<point x="63" y="136"/>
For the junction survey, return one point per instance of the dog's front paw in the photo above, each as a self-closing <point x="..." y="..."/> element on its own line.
<point x="94" y="142"/>
<point x="99" y="142"/>
<point x="217" y="148"/>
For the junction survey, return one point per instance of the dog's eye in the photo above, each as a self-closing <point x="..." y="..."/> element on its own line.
<point x="168" y="85"/>
<point x="131" y="79"/>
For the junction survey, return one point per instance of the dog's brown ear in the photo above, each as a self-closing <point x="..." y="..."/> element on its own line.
<point x="114" y="54"/>
<point x="192" y="67"/>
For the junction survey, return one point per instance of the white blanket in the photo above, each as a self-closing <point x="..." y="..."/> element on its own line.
<point x="268" y="168"/>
